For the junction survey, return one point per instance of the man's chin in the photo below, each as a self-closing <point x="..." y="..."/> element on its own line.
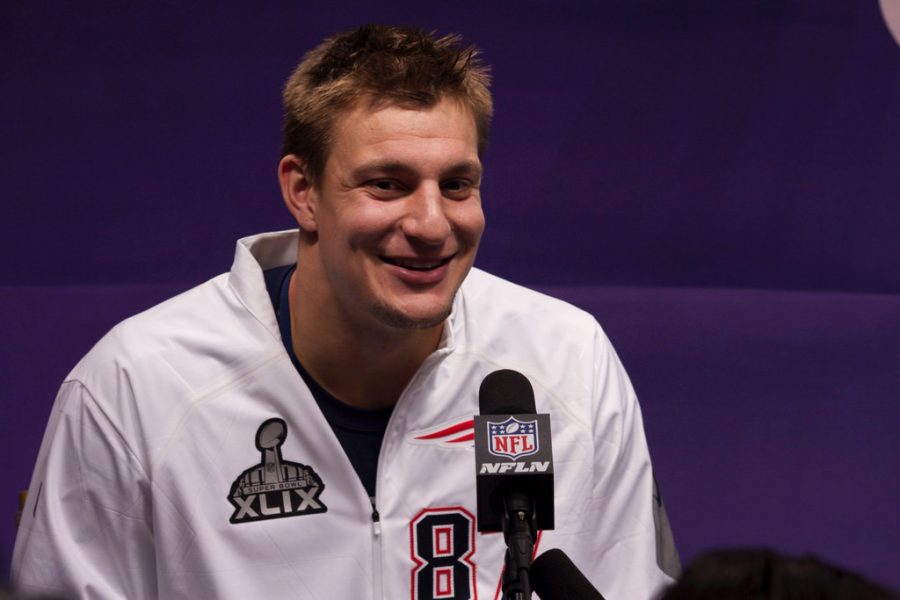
<point x="401" y="319"/>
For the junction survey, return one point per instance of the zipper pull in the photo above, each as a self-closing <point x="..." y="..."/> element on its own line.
<point x="376" y="522"/>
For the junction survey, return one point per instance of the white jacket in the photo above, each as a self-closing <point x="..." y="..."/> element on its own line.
<point x="150" y="482"/>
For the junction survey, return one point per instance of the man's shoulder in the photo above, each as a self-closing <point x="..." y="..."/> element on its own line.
<point x="556" y="345"/>
<point x="143" y="332"/>
<point x="205" y="344"/>
<point x="492" y="297"/>
<point x="500" y="320"/>
<point x="191" y="338"/>
<point x="223" y="318"/>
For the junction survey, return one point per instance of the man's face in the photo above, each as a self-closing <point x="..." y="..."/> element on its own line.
<point x="398" y="212"/>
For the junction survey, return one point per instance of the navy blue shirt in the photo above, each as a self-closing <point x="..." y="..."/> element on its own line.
<point x="359" y="430"/>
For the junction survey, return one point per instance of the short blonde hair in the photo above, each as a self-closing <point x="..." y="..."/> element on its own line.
<point x="381" y="65"/>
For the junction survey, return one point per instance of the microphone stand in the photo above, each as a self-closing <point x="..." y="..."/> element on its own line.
<point x="519" y="531"/>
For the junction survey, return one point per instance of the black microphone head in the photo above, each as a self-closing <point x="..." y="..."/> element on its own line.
<point x="506" y="392"/>
<point x="555" y="577"/>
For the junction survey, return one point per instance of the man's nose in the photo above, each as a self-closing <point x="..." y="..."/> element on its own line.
<point x="425" y="218"/>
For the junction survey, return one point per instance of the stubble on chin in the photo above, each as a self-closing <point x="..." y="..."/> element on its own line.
<point x="393" y="317"/>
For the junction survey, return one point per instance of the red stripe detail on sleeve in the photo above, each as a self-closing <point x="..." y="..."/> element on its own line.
<point x="449" y="431"/>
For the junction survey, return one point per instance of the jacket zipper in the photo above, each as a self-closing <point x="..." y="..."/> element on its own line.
<point x="376" y="553"/>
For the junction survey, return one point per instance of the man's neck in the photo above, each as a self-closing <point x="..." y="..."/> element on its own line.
<point x="366" y="367"/>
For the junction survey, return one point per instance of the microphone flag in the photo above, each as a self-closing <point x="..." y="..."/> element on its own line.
<point x="513" y="453"/>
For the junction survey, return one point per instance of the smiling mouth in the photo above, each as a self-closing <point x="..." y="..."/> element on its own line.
<point x="416" y="264"/>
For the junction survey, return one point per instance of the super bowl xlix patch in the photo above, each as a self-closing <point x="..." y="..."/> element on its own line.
<point x="275" y="488"/>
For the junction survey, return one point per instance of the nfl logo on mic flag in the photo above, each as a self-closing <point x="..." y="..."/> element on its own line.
<point x="509" y="450"/>
<point x="513" y="438"/>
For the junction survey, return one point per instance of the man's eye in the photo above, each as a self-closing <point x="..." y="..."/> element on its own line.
<point x="385" y="185"/>
<point x="385" y="188"/>
<point x="456" y="187"/>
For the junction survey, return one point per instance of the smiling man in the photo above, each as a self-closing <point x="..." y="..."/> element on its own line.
<point x="301" y="427"/>
<point x="388" y="232"/>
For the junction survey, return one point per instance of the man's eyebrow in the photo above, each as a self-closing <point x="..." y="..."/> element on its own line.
<point x="379" y="167"/>
<point x="471" y="168"/>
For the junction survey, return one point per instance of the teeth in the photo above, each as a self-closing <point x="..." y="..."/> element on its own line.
<point x="415" y="266"/>
<point x="418" y="266"/>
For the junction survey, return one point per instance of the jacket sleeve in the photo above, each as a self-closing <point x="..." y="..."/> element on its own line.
<point x="634" y="554"/>
<point x="86" y="529"/>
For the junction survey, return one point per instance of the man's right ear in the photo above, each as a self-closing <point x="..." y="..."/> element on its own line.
<point x="298" y="191"/>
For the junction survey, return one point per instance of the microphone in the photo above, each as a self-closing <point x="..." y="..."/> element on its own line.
<point x="513" y="452"/>
<point x="555" y="577"/>
<point x="514" y="472"/>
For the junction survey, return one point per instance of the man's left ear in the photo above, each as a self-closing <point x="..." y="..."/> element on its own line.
<point x="297" y="191"/>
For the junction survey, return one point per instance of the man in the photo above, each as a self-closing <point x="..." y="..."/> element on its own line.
<point x="300" y="427"/>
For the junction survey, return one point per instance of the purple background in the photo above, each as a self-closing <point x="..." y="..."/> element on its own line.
<point x="717" y="182"/>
